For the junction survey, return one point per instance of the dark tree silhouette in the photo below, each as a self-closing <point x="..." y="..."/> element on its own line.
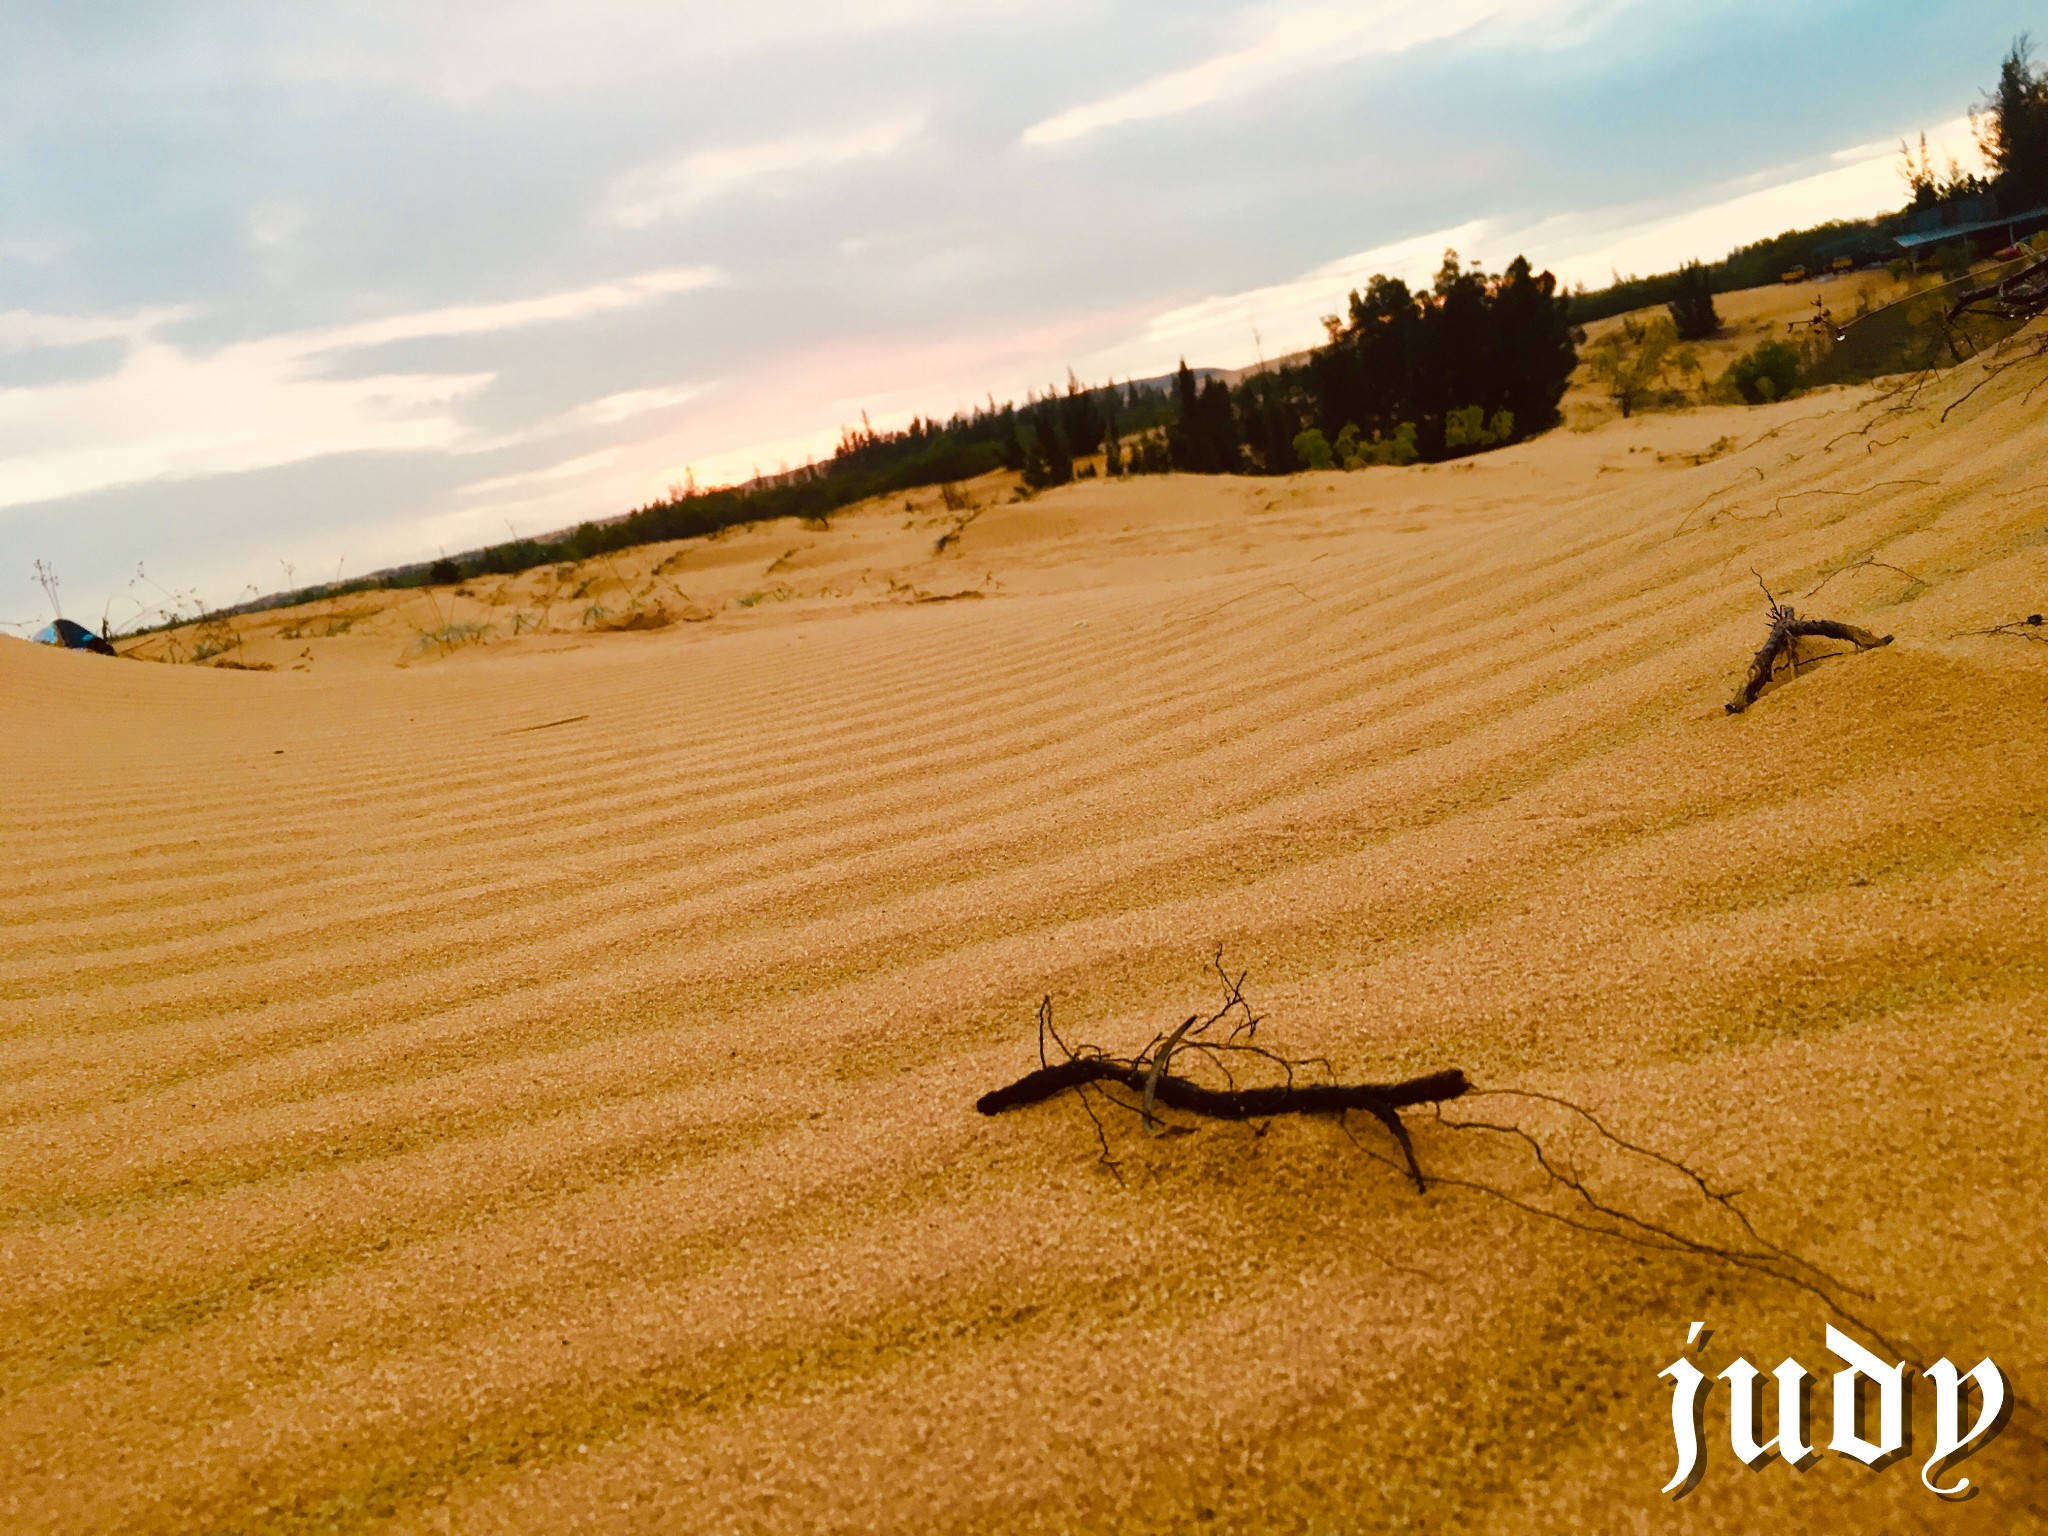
<point x="1203" y="438"/>
<point x="1399" y="357"/>
<point x="1182" y="443"/>
<point x="1047" y="460"/>
<point x="1692" y="304"/>
<point x="2013" y="130"/>
<point x="1080" y="416"/>
<point x="1532" y="332"/>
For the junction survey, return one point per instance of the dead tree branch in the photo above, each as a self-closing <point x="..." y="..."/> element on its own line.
<point x="1787" y="630"/>
<point x="1222" y="1035"/>
<point x="1380" y="1100"/>
<point x="2019" y="295"/>
<point x="1548" y="1157"/>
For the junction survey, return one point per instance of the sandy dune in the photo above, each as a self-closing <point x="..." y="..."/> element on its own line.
<point x="531" y="1088"/>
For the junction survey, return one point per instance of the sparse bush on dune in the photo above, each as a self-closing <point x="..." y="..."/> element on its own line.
<point x="1634" y="361"/>
<point x="449" y="637"/>
<point x="1312" y="450"/>
<point x="1396" y="450"/>
<point x="1464" y="429"/>
<point x="1767" y="372"/>
<point x="1148" y="456"/>
<point x="1112" y="446"/>
<point x="1469" y="428"/>
<point x="214" y="635"/>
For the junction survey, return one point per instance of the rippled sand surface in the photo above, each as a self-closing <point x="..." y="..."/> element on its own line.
<point x="531" y="1088"/>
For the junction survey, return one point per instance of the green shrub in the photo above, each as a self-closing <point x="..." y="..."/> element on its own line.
<point x="1398" y="449"/>
<point x="1633" y="360"/>
<point x="1769" y="372"/>
<point x="1350" y="451"/>
<point x="1468" y="428"/>
<point x="1312" y="450"/>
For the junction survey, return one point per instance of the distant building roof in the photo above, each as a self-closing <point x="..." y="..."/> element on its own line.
<point x="1925" y="237"/>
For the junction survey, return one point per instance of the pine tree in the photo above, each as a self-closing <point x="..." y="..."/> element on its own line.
<point x="1048" y="461"/>
<point x="1183" y="433"/>
<point x="1692" y="304"/>
<point x="1014" y="455"/>
<point x="1059" y="459"/>
<point x="2013" y="129"/>
<point x="1080" y="417"/>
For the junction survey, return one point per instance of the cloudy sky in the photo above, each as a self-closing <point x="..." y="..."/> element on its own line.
<point x="346" y="284"/>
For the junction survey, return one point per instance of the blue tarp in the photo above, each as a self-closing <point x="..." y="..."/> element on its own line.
<point x="2012" y="227"/>
<point x="72" y="637"/>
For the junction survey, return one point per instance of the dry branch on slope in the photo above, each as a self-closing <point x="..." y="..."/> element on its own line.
<point x="2029" y="628"/>
<point x="1148" y="1075"/>
<point x="1545" y="1171"/>
<point x="1781" y="644"/>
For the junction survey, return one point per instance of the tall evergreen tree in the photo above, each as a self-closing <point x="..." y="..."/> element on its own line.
<point x="1048" y="461"/>
<point x="1183" y="433"/>
<point x="1221" y="449"/>
<point x="1080" y="417"/>
<point x="1533" y="345"/>
<point x="2012" y="130"/>
<point x="1269" y="415"/>
<point x="1012" y="442"/>
<point x="1203" y="437"/>
<point x="1692" y="304"/>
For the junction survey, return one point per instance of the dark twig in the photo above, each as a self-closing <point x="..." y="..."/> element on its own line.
<point x="1868" y="562"/>
<point x="1787" y="630"/>
<point x="2018" y="295"/>
<point x="1599" y="1216"/>
<point x="1715" y="495"/>
<point x="1083" y="1067"/>
<point x="1724" y="1198"/>
<point x="1991" y="371"/>
<point x="2028" y="628"/>
<point x="1380" y="1100"/>
<point x="1142" y="1086"/>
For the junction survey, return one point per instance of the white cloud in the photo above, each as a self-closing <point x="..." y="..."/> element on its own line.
<point x="461" y="51"/>
<point x="169" y="413"/>
<point x="481" y="319"/>
<point x="24" y="330"/>
<point x="274" y="225"/>
<point x="166" y="414"/>
<point x="628" y="403"/>
<point x="1286" y="44"/>
<point x="34" y="252"/>
<point x="655" y="192"/>
<point x="568" y="469"/>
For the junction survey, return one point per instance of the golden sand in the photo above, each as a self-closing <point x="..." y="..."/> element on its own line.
<point x="530" y="1088"/>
